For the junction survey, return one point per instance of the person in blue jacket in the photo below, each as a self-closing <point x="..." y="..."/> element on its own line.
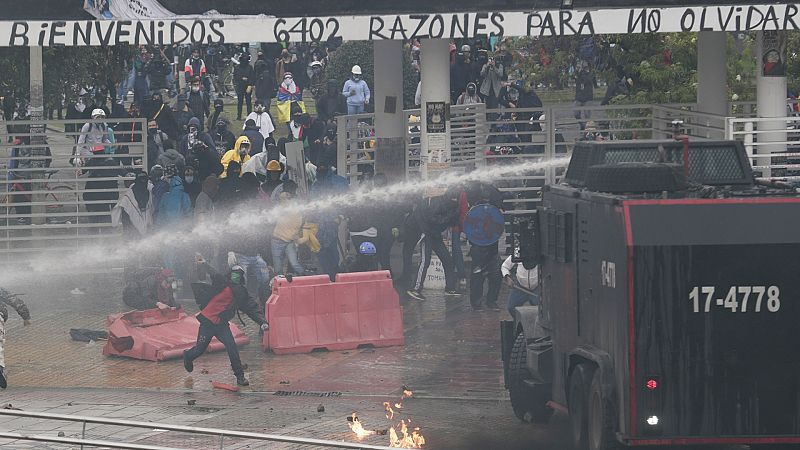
<point x="357" y="92"/>
<point x="174" y="207"/>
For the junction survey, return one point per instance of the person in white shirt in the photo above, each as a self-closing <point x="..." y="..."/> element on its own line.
<point x="262" y="119"/>
<point x="523" y="284"/>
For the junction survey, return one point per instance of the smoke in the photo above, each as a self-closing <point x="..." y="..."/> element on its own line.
<point x="248" y="219"/>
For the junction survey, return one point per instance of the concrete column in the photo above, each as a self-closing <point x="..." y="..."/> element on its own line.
<point x="712" y="74"/>
<point x="37" y="113"/>
<point x="771" y="102"/>
<point x="435" y="137"/>
<point x="390" y="121"/>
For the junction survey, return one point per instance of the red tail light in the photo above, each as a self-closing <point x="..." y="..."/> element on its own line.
<point x="652" y="384"/>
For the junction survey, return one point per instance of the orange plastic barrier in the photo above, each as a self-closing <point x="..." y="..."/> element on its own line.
<point x="312" y="313"/>
<point x="158" y="335"/>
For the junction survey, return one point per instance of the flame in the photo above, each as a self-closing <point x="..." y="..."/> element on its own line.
<point x="408" y="440"/>
<point x="358" y="429"/>
<point x="401" y="435"/>
<point x="389" y="410"/>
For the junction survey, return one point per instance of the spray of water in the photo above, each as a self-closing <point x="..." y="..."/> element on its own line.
<point x="247" y="220"/>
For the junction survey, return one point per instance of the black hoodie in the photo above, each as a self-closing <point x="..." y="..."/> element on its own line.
<point x="332" y="103"/>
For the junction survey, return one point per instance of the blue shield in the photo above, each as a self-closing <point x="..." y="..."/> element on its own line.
<point x="484" y="225"/>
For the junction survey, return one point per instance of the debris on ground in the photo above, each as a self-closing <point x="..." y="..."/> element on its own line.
<point x="10" y="406"/>
<point x="61" y="434"/>
<point x="284" y="382"/>
<point x="84" y="335"/>
<point x="204" y="371"/>
<point x="224" y="386"/>
<point x="191" y="402"/>
<point x="321" y="408"/>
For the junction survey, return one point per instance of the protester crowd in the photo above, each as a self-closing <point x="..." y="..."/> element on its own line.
<point x="201" y="170"/>
<point x="243" y="192"/>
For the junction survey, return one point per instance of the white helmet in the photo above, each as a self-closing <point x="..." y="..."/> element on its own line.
<point x="356" y="70"/>
<point x="98" y="113"/>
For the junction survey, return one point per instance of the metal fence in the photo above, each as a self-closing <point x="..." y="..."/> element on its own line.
<point x="779" y="156"/>
<point x="233" y="437"/>
<point x="59" y="183"/>
<point x="356" y="145"/>
<point x="481" y="136"/>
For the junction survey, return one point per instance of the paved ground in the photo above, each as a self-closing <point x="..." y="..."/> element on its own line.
<point x="450" y="360"/>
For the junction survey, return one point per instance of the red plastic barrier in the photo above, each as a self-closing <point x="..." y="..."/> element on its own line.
<point x="312" y="313"/>
<point x="158" y="335"/>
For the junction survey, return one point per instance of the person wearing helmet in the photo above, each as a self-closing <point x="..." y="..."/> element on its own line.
<point x="366" y="258"/>
<point x="462" y="72"/>
<point x="95" y="135"/>
<point x="317" y="80"/>
<point x="240" y="153"/>
<point x="273" y="177"/>
<point x="356" y="91"/>
<point x="218" y="304"/>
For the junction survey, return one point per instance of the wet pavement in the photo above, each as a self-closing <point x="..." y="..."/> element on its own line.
<point x="451" y="361"/>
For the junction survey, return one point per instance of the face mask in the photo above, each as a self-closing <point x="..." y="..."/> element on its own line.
<point x="80" y="106"/>
<point x="243" y="150"/>
<point x="259" y="109"/>
<point x="236" y="277"/>
<point x="195" y="88"/>
<point x="195" y="58"/>
<point x="356" y="78"/>
<point x="218" y="108"/>
<point x="189" y="179"/>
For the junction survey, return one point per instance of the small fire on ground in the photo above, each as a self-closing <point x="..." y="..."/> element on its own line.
<point x="402" y="435"/>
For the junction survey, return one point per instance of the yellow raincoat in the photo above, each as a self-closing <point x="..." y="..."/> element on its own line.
<point x="233" y="155"/>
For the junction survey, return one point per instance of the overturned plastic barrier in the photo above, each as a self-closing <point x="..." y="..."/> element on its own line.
<point x="310" y="313"/>
<point x="158" y="335"/>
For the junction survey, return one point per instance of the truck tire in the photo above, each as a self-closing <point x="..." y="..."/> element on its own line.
<point x="601" y="418"/>
<point x="578" y="402"/>
<point x="529" y="404"/>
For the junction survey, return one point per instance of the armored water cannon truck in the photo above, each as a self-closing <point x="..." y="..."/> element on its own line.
<point x="670" y="300"/>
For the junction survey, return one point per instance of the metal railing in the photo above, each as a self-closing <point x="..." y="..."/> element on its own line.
<point x="58" y="188"/>
<point x="773" y="144"/>
<point x="216" y="432"/>
<point x="356" y="145"/>
<point x="481" y="136"/>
